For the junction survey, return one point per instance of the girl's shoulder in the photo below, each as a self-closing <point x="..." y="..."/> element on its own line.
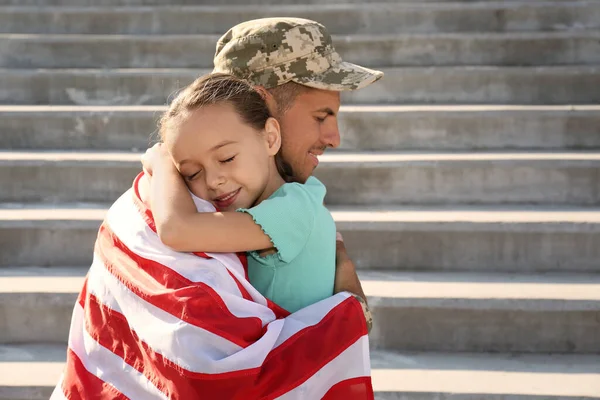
<point x="312" y="187"/>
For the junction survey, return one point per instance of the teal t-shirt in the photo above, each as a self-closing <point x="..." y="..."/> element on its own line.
<point x="302" y="271"/>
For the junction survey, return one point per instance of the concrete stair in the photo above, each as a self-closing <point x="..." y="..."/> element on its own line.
<point x="459" y="238"/>
<point x="470" y="312"/>
<point x="437" y="85"/>
<point x="351" y="178"/>
<point x="369" y="128"/>
<point x="270" y="3"/>
<point x="467" y="186"/>
<point x="346" y="18"/>
<point x="391" y="50"/>
<point x="33" y="369"/>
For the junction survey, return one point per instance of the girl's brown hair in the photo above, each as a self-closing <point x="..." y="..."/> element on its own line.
<point x="220" y="88"/>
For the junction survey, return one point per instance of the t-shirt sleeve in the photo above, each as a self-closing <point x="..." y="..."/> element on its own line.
<point x="288" y="218"/>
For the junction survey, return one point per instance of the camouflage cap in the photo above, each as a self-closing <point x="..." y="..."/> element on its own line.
<point x="272" y="51"/>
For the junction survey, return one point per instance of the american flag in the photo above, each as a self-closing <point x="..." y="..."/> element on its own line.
<point x="152" y="323"/>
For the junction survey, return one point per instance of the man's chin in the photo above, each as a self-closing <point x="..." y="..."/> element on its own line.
<point x="302" y="178"/>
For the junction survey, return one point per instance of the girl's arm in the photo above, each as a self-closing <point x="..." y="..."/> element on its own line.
<point x="181" y="227"/>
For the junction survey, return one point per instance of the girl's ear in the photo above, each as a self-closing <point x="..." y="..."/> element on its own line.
<point x="273" y="136"/>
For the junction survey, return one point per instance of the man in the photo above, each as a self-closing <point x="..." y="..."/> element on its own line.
<point x="153" y="323"/>
<point x="301" y="75"/>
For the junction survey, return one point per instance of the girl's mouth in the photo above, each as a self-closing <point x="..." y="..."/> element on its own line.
<point x="224" y="201"/>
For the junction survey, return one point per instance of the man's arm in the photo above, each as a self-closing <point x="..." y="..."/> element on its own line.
<point x="346" y="279"/>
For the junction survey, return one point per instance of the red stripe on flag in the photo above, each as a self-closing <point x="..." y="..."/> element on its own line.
<point x="83" y="294"/>
<point x="309" y="350"/>
<point x="356" y="389"/>
<point x="112" y="331"/>
<point x="243" y="257"/>
<point x="80" y="384"/>
<point x="140" y="205"/>
<point x="280" y="312"/>
<point x="243" y="291"/>
<point x="284" y="368"/>
<point x="193" y="302"/>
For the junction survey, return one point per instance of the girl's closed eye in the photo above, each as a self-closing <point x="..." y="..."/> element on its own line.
<point x="192" y="176"/>
<point x="228" y="160"/>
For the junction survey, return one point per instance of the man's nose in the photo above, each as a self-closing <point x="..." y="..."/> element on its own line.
<point x="331" y="135"/>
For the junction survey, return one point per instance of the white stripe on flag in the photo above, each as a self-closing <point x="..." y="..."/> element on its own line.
<point x="352" y="363"/>
<point x="106" y="365"/>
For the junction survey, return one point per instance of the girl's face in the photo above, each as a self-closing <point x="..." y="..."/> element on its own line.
<point x="222" y="159"/>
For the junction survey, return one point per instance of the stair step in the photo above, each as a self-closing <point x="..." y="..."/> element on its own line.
<point x="179" y="3"/>
<point x="436" y="376"/>
<point x="439" y="85"/>
<point x="197" y="51"/>
<point x="270" y="3"/>
<point x="483" y="239"/>
<point x="480" y="312"/>
<point x="40" y="310"/>
<point x="414" y="311"/>
<point x="30" y="372"/>
<point x="351" y="178"/>
<point x="383" y="127"/>
<point x="511" y="267"/>
<point x="338" y="18"/>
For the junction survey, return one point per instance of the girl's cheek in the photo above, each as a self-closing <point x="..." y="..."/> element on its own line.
<point x="193" y="187"/>
<point x="199" y="190"/>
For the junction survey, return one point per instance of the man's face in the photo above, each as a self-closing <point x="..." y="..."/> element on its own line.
<point x="308" y="128"/>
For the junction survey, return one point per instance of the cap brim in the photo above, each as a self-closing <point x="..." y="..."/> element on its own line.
<point x="344" y="76"/>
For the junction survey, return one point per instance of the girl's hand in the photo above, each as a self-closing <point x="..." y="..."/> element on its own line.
<point x="156" y="157"/>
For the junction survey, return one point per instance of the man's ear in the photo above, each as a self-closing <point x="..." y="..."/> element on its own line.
<point x="268" y="98"/>
<point x="273" y="136"/>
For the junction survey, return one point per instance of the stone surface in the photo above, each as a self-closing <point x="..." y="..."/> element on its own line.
<point x="412" y="310"/>
<point x="485" y="127"/>
<point x="138" y="3"/>
<point x="180" y="3"/>
<point x="437" y="85"/>
<point x="378" y="51"/>
<point x="560" y="85"/>
<point x="30" y="372"/>
<point x="484" y="312"/>
<point x="443" y="376"/>
<point x="362" y="127"/>
<point x="415" y="17"/>
<point x="351" y="178"/>
<point x="483" y="239"/>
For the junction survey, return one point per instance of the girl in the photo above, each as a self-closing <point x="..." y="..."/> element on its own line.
<point x="221" y="141"/>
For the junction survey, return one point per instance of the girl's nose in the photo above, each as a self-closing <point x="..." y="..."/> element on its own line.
<point x="214" y="180"/>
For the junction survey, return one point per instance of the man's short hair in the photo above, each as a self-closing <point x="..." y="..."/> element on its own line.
<point x="286" y="94"/>
<point x="270" y="52"/>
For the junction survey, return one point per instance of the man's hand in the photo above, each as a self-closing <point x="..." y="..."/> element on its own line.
<point x="346" y="279"/>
